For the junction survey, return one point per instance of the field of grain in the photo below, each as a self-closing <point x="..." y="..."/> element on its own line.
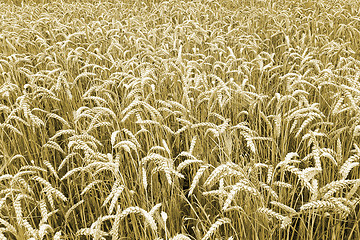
<point x="205" y="119"/>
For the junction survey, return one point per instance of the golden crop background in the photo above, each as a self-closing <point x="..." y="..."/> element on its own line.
<point x="201" y="119"/>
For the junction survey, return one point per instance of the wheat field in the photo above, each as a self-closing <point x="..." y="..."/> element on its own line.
<point x="179" y="119"/>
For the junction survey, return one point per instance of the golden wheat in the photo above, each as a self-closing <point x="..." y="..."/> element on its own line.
<point x="211" y="114"/>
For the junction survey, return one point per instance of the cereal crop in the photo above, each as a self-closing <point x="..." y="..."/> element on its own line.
<point x="179" y="119"/>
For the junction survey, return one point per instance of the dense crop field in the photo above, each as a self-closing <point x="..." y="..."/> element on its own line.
<point x="206" y="119"/>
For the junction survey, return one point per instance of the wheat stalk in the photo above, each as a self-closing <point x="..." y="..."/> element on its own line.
<point x="215" y="226"/>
